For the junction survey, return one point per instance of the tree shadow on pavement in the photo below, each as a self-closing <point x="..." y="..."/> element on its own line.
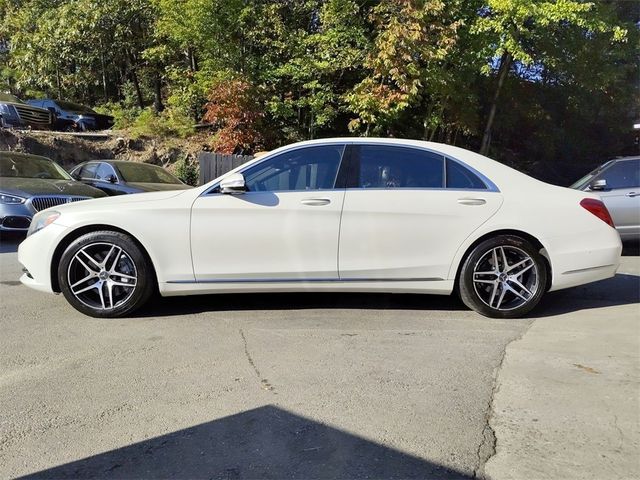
<point x="267" y="442"/>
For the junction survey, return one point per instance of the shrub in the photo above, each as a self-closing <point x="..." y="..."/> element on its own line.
<point x="187" y="170"/>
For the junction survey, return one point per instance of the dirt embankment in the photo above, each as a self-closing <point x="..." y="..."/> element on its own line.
<point x="69" y="150"/>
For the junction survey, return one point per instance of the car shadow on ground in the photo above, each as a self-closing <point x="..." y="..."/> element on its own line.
<point x="623" y="289"/>
<point x="267" y="442"/>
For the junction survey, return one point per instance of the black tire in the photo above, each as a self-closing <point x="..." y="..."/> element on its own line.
<point x="481" y="284"/>
<point x="126" y="275"/>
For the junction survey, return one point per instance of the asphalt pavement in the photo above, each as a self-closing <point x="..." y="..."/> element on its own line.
<point x="258" y="386"/>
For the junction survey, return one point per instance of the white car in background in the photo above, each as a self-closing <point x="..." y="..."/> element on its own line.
<point x="345" y="214"/>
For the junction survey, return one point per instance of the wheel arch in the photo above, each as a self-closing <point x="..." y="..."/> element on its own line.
<point x="495" y="233"/>
<point x="77" y="233"/>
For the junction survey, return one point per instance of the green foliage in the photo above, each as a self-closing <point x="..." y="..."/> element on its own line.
<point x="268" y="72"/>
<point x="187" y="171"/>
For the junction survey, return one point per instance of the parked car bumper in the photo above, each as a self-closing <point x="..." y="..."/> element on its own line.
<point x="35" y="254"/>
<point x="580" y="258"/>
<point x="16" y="218"/>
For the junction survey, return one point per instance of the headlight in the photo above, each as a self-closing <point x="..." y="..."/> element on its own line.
<point x="10" y="199"/>
<point x="42" y="220"/>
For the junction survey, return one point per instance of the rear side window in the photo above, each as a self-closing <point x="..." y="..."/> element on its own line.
<point x="622" y="174"/>
<point x="459" y="176"/>
<point x="383" y="166"/>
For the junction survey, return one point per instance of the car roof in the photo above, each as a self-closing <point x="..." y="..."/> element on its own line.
<point x="18" y="155"/>
<point x="624" y="159"/>
<point x="115" y="162"/>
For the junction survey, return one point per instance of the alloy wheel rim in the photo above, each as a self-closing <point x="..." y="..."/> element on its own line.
<point x="102" y="276"/>
<point x="506" y="278"/>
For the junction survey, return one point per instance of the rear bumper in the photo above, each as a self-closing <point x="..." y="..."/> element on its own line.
<point x="582" y="258"/>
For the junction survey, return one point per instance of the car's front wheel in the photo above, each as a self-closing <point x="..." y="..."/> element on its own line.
<point x="503" y="277"/>
<point x="105" y="274"/>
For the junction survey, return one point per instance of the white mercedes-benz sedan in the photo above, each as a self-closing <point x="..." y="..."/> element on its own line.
<point x="332" y="215"/>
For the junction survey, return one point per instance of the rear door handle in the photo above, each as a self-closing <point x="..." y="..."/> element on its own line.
<point x="633" y="194"/>
<point x="316" y="202"/>
<point x="472" y="201"/>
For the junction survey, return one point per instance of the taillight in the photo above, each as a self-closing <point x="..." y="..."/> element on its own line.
<point x="598" y="209"/>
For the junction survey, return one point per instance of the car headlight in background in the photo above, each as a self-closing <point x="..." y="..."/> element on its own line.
<point x="42" y="220"/>
<point x="11" y="199"/>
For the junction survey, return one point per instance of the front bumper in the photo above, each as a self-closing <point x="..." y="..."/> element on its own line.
<point x="35" y="254"/>
<point x="15" y="217"/>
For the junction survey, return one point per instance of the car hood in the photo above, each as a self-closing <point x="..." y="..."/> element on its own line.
<point x="158" y="187"/>
<point x="27" y="187"/>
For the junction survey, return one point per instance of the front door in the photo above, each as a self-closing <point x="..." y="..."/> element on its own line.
<point x="284" y="228"/>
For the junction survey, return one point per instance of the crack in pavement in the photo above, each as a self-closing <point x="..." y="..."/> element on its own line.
<point x="263" y="381"/>
<point x="488" y="443"/>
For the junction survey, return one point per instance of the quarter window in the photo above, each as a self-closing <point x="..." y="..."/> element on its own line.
<point x="384" y="166"/>
<point x="458" y="176"/>
<point x="310" y="168"/>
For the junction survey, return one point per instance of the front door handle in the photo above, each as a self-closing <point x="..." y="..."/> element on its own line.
<point x="316" y="202"/>
<point x="472" y="201"/>
<point x="633" y="194"/>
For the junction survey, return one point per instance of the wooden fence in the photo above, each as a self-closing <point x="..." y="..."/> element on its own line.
<point x="212" y="165"/>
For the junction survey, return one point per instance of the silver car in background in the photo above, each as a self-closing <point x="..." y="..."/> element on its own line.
<point x="618" y="184"/>
<point x="30" y="183"/>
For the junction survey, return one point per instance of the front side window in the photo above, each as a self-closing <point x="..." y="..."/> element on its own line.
<point x="104" y="172"/>
<point x="622" y="174"/>
<point x="89" y="171"/>
<point x="309" y="168"/>
<point x="383" y="166"/>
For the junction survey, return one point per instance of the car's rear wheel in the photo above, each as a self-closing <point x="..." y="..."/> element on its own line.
<point x="105" y="274"/>
<point x="503" y="277"/>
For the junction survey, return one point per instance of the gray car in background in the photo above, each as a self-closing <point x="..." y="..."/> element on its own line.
<point x="29" y="183"/>
<point x="618" y="184"/>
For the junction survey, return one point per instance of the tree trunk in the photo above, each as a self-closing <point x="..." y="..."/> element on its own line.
<point x="157" y="86"/>
<point x="136" y="85"/>
<point x="104" y="76"/>
<point x="505" y="64"/>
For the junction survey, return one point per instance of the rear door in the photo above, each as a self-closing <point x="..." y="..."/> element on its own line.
<point x="402" y="219"/>
<point x="622" y="196"/>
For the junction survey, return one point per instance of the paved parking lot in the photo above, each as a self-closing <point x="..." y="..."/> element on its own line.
<point x="281" y="386"/>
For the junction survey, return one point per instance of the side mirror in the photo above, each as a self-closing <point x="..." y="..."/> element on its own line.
<point x="233" y="184"/>
<point x="111" y="178"/>
<point x="598" y="185"/>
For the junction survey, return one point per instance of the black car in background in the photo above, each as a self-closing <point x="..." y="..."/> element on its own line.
<point x="29" y="183"/>
<point x="118" y="177"/>
<point x="15" y="113"/>
<point x="72" y="116"/>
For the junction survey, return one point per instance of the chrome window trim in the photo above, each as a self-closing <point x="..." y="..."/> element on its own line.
<point x="491" y="187"/>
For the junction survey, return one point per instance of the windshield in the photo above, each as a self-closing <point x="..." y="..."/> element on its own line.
<point x="141" y="173"/>
<point x="31" y="167"/>
<point x="74" y="107"/>
<point x="7" y="97"/>
<point x="584" y="181"/>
